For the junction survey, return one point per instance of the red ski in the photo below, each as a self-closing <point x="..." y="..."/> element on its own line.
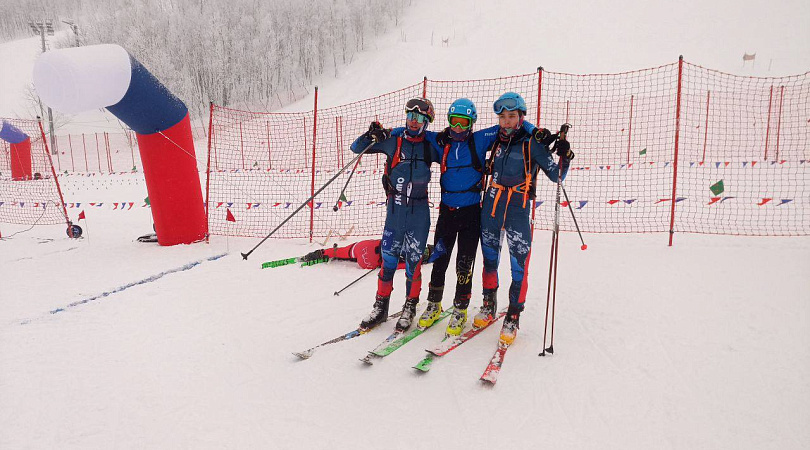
<point x="494" y="368"/>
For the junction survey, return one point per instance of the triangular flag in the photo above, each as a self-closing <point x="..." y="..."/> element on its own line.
<point x="146" y="200"/>
<point x="81" y="215"/>
<point x="717" y="188"/>
<point x="228" y="216"/>
<point x="643" y="152"/>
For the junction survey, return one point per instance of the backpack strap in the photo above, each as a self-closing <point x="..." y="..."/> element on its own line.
<point x="476" y="163"/>
<point x="390" y="163"/>
<point x="428" y="155"/>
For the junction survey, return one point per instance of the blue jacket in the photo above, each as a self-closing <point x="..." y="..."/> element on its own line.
<point x="461" y="183"/>
<point x="411" y="176"/>
<point x="508" y="166"/>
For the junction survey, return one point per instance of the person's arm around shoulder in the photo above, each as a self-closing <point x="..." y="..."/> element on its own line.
<point x="376" y="135"/>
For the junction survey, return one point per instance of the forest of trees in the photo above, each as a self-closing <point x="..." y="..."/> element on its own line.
<point x="242" y="53"/>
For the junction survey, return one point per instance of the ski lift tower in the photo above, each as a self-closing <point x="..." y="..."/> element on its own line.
<point x="41" y="28"/>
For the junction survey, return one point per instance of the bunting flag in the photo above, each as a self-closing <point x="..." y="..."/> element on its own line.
<point x="81" y="215"/>
<point x="643" y="152"/>
<point x="717" y="188"/>
<point x="764" y="200"/>
<point x="582" y="204"/>
<point x="229" y="216"/>
<point x="785" y="200"/>
<point x="146" y="200"/>
<point x="341" y="200"/>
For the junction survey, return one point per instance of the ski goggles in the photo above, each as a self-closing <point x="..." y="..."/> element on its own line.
<point x="416" y="104"/>
<point x="417" y="116"/>
<point x="458" y="121"/>
<point x="509" y="104"/>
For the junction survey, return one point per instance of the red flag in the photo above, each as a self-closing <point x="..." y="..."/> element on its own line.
<point x="228" y="216"/>
<point x="81" y="215"/>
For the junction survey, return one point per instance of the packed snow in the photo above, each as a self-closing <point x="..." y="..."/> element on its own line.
<point x="106" y="342"/>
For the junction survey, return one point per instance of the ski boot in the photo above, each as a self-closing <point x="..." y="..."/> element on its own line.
<point x="434" y="307"/>
<point x="378" y="315"/>
<point x="459" y="317"/>
<point x="408" y="313"/>
<point x="510" y="328"/>
<point x="457" y="322"/>
<point x="487" y="313"/>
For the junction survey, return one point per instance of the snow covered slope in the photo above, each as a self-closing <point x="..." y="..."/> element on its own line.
<point x="109" y="343"/>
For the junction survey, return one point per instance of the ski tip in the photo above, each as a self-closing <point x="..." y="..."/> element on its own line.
<point x="367" y="361"/>
<point x="303" y="355"/>
<point x="488" y="381"/>
<point x="337" y="293"/>
<point x="244" y="256"/>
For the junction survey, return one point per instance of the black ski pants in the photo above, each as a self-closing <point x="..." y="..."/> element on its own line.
<point x="462" y="225"/>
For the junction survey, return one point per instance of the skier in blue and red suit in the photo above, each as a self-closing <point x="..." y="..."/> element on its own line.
<point x="407" y="219"/>
<point x="462" y="155"/>
<point x="512" y="167"/>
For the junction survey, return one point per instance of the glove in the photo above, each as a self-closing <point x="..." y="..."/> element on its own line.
<point x="443" y="137"/>
<point x="543" y="136"/>
<point x="563" y="150"/>
<point x="376" y="132"/>
<point x="312" y="256"/>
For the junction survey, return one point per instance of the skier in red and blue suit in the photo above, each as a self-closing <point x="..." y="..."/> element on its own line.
<point x="512" y="167"/>
<point x="407" y="220"/>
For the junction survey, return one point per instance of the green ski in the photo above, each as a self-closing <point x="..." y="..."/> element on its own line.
<point x="394" y="346"/>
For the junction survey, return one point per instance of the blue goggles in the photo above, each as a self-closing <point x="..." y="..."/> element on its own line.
<point x="413" y="115"/>
<point x="509" y="104"/>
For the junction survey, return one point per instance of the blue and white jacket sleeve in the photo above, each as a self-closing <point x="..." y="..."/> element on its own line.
<point x="362" y="142"/>
<point x="542" y="156"/>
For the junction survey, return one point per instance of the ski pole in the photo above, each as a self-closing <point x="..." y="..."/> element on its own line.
<point x="584" y="246"/>
<point x="551" y="292"/>
<point x="355" y="281"/>
<point x="245" y="255"/>
<point x="343" y="191"/>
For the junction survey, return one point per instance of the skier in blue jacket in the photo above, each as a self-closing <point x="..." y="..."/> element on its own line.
<point x="407" y="220"/>
<point x="512" y="167"/>
<point x="462" y="154"/>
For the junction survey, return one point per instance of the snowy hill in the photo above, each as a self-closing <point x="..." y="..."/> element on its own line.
<point x="110" y="343"/>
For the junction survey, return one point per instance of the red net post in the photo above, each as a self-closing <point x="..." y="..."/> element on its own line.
<point x="424" y="87"/>
<point x="630" y="129"/>
<point x="98" y="153"/>
<point x="314" y="145"/>
<point x="84" y="145"/>
<point x="72" y="163"/>
<point x="675" y="157"/>
<point x="58" y="159"/>
<point x="768" y="126"/>
<point x="706" y="127"/>
<point x="208" y="173"/>
<point x="55" y="179"/>
<point x="779" y="119"/>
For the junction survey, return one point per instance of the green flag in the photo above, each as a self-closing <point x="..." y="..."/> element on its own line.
<point x="643" y="152"/>
<point x="717" y="188"/>
<point x="146" y="200"/>
<point x="343" y="197"/>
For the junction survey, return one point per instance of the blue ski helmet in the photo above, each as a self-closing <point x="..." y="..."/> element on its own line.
<point x="509" y="101"/>
<point x="463" y="107"/>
